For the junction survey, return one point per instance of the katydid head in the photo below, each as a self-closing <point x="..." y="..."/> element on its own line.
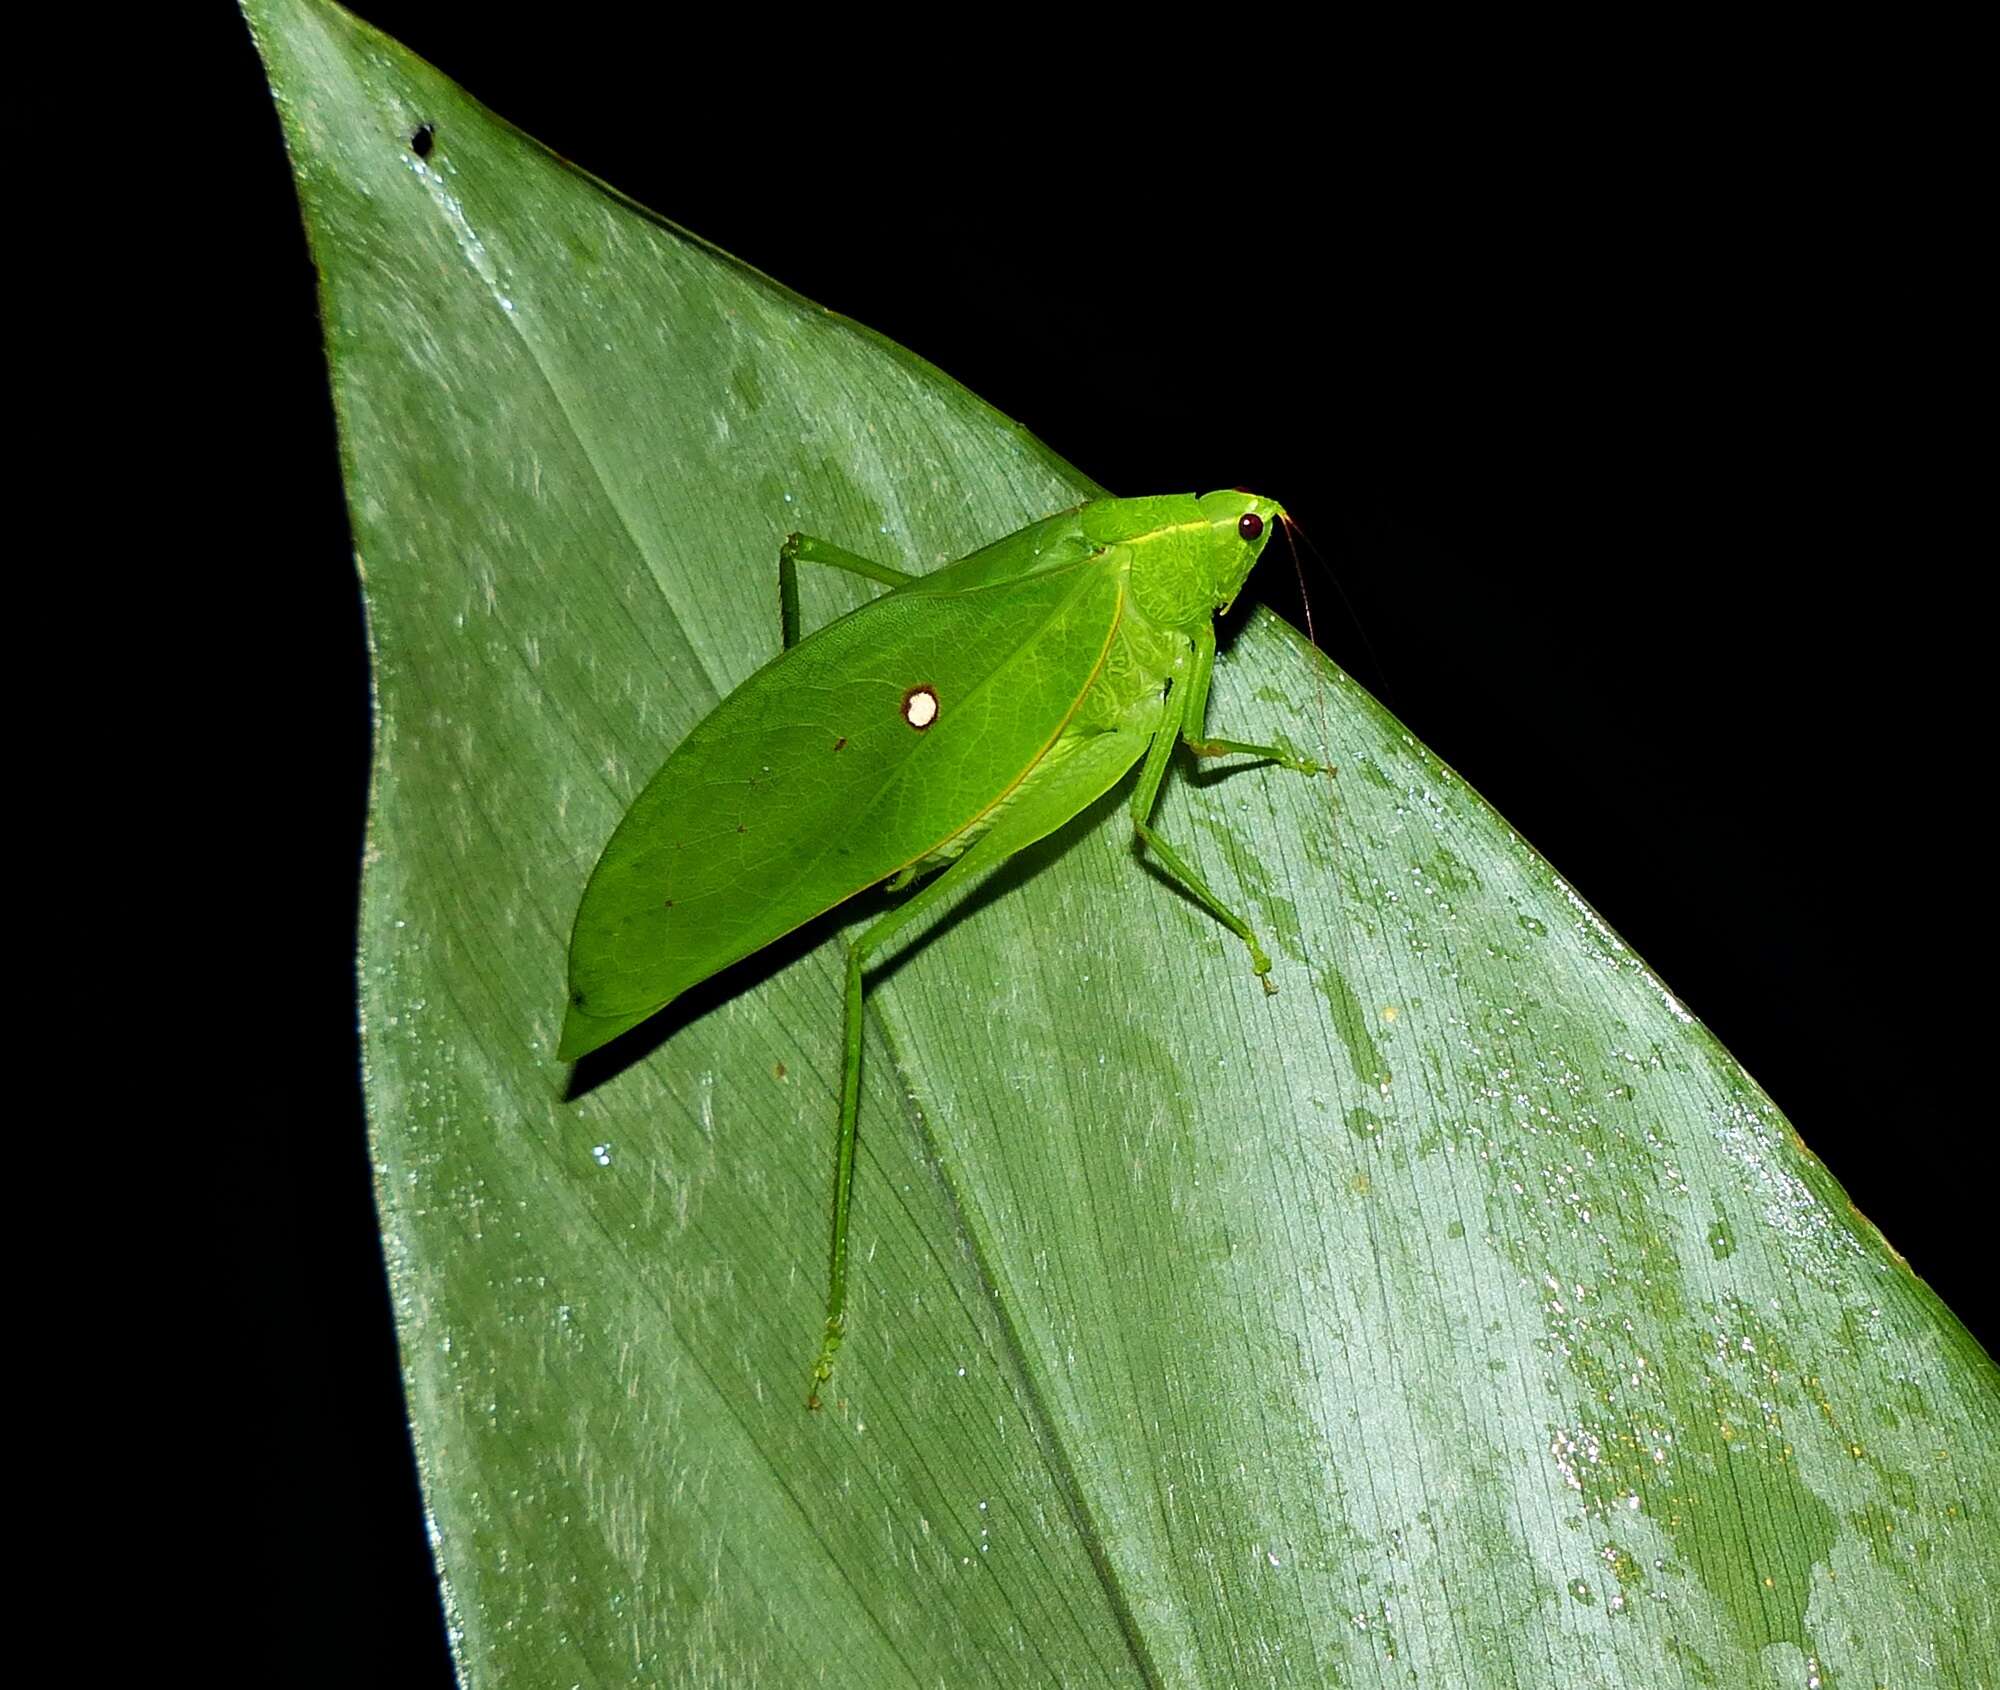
<point x="1238" y="525"/>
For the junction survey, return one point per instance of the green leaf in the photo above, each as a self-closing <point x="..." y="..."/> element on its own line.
<point x="1463" y="1315"/>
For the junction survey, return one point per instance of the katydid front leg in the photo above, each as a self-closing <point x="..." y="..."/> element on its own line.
<point x="1185" y="708"/>
<point x="1158" y="754"/>
<point x="1195" y="715"/>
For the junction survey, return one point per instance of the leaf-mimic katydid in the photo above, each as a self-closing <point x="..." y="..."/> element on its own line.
<point x="954" y="720"/>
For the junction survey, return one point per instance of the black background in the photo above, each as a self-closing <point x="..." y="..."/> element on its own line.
<point x="1620" y="419"/>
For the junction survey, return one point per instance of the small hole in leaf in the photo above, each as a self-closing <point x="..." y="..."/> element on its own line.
<point x="424" y="139"/>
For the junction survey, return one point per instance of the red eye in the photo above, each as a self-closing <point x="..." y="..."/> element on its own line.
<point x="1250" y="525"/>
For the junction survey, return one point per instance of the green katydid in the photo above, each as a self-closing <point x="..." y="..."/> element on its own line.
<point x="954" y="720"/>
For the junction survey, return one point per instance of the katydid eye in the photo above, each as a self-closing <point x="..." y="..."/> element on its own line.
<point x="1250" y="525"/>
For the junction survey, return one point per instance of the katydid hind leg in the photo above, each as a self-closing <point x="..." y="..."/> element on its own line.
<point x="843" y="1174"/>
<point x="788" y="596"/>
<point x="808" y="548"/>
<point x="1085" y="775"/>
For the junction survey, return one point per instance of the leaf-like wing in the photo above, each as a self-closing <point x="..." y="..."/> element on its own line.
<point x="810" y="782"/>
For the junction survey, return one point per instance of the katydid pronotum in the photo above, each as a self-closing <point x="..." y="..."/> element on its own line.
<point x="949" y="723"/>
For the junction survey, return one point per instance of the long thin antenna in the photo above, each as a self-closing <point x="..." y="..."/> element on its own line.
<point x="1295" y="534"/>
<point x="1312" y="638"/>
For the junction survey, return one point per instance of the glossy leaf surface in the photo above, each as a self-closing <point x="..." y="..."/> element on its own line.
<point x="1463" y="1315"/>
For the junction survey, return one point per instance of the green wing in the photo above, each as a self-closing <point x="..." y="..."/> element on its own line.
<point x="807" y="784"/>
